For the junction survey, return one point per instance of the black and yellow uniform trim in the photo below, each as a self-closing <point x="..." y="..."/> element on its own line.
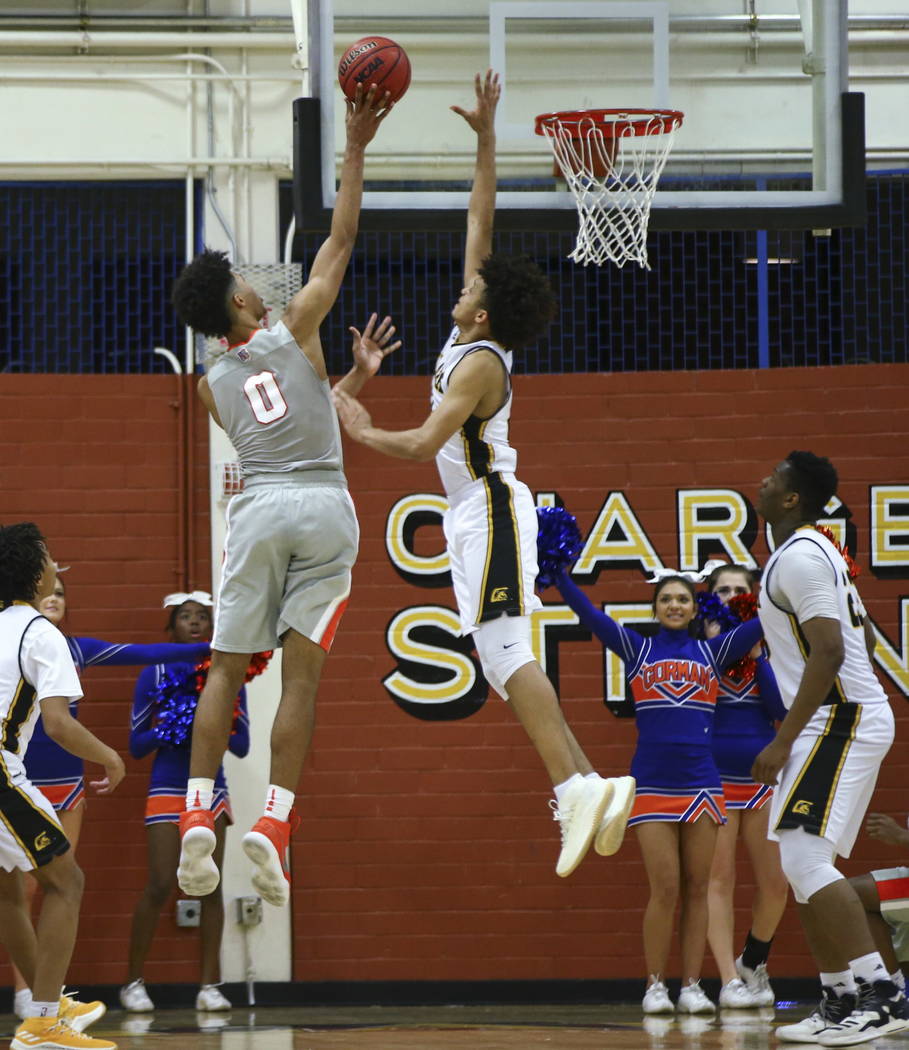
<point x="811" y="796"/>
<point x="837" y="694"/>
<point x="38" y="835"/>
<point x="477" y="453"/>
<point x="19" y="709"/>
<point x="502" y="590"/>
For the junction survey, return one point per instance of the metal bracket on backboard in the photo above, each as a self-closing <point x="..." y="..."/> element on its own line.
<point x="312" y="216"/>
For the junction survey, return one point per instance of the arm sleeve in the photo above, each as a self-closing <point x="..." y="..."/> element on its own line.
<point x="142" y="738"/>
<point x="769" y="692"/>
<point x="622" y="641"/>
<point x="734" y="644"/>
<point x="46" y="662"/>
<point x="95" y="652"/>
<point x="806" y="582"/>
<point x="238" y="741"/>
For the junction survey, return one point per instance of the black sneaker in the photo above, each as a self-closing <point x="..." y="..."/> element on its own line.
<point x="882" y="1008"/>
<point x="831" y="1010"/>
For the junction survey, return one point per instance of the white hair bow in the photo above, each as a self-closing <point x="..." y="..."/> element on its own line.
<point x="179" y="597"/>
<point x="695" y="577"/>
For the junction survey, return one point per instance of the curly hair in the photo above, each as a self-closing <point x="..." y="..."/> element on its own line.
<point x="519" y="299"/>
<point x="22" y="554"/>
<point x="815" y="480"/>
<point x="202" y="291"/>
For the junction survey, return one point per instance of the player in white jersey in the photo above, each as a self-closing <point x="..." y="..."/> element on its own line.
<point x="37" y="672"/>
<point x="827" y="752"/>
<point x="491" y="525"/>
<point x="292" y="533"/>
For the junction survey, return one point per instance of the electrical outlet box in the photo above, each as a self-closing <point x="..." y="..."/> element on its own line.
<point x="249" y="911"/>
<point x="189" y="913"/>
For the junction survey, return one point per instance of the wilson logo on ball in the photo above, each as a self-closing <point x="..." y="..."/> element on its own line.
<point x="375" y="60"/>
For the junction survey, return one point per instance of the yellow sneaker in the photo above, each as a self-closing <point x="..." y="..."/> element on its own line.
<point x="52" y="1033"/>
<point x="80" y="1015"/>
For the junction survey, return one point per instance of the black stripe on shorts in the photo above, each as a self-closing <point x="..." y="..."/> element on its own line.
<point x="39" y="837"/>
<point x="503" y="585"/>
<point x="811" y="796"/>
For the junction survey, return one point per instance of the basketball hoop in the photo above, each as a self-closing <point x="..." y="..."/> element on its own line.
<point x="612" y="160"/>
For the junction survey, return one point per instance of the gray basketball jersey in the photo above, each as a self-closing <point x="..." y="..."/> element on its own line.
<point x="276" y="411"/>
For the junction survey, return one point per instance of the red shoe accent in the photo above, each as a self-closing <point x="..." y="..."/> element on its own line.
<point x="278" y="832"/>
<point x="195" y="818"/>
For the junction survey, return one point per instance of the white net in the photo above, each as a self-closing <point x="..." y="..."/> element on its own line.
<point x="612" y="161"/>
<point x="276" y="283"/>
<point x="227" y="480"/>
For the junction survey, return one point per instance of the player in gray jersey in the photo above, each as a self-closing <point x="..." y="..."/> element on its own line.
<point x="491" y="525"/>
<point x="827" y="751"/>
<point x="292" y="533"/>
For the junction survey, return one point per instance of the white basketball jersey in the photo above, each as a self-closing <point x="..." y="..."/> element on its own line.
<point x="481" y="446"/>
<point x="806" y="577"/>
<point x="35" y="663"/>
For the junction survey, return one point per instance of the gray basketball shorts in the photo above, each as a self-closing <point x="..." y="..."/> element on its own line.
<point x="288" y="554"/>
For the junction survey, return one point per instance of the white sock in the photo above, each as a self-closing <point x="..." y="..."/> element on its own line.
<point x="278" y="801"/>
<point x="842" y="983"/>
<point x="43" y="1009"/>
<point x="199" y="792"/>
<point x="22" y="1000"/>
<point x="899" y="980"/>
<point x="566" y="785"/>
<point x="869" y="968"/>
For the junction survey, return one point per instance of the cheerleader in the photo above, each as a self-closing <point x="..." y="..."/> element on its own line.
<point x="748" y="705"/>
<point x="190" y="619"/>
<point x="678" y="806"/>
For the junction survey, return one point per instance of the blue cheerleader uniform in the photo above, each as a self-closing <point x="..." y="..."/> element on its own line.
<point x="674" y="681"/>
<point x="743" y="726"/>
<point x="170" y="769"/>
<point x="60" y="775"/>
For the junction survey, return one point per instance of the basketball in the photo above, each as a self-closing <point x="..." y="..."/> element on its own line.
<point x="375" y="60"/>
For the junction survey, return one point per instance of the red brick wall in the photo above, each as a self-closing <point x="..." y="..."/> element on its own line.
<point x="426" y="851"/>
<point x="96" y="461"/>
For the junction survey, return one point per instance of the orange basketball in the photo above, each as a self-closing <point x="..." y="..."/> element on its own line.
<point x="375" y="60"/>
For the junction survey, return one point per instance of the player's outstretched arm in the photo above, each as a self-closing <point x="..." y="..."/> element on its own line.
<point x="308" y="308"/>
<point x="72" y="736"/>
<point x="481" y="209"/>
<point x="470" y="381"/>
<point x="370" y="348"/>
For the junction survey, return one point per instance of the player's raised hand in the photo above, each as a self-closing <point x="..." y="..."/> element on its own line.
<point x="365" y="112"/>
<point x="354" y="417"/>
<point x="488" y="91"/>
<point x="371" y="346"/>
<point x="885" y="829"/>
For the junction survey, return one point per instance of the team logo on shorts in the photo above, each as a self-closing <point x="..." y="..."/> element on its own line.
<point x="42" y="841"/>
<point x="499" y="594"/>
<point x="802" y="807"/>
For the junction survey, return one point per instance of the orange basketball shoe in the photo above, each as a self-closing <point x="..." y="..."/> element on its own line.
<point x="268" y="846"/>
<point x="53" y="1033"/>
<point x="197" y="874"/>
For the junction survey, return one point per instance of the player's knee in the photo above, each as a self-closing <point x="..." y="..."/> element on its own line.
<point x="64" y="877"/>
<point x="503" y="646"/>
<point x="807" y="861"/>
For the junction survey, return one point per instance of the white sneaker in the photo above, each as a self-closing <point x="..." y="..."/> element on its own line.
<point x="757" y="981"/>
<point x="612" y="827"/>
<point x="736" y="995"/>
<point x="881" y="1009"/>
<point x="656" y="999"/>
<point x="134" y="998"/>
<point x="211" y="999"/>
<point x="579" y="815"/>
<point x="831" y="1010"/>
<point x="693" y="1000"/>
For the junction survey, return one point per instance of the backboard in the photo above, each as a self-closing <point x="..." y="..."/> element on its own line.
<point x="771" y="138"/>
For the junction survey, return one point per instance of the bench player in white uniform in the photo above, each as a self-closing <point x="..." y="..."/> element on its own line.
<point x="37" y="672"/>
<point x="827" y="751"/>
<point x="491" y="526"/>
<point x="292" y="534"/>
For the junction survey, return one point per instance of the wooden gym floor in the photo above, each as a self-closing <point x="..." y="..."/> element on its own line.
<point x="533" y="1027"/>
